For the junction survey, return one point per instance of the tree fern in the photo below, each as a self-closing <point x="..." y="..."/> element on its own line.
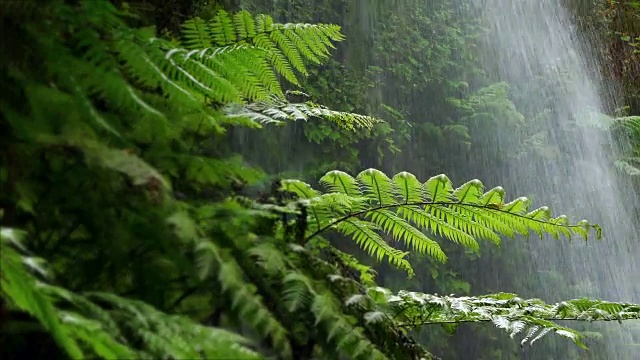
<point x="405" y="208"/>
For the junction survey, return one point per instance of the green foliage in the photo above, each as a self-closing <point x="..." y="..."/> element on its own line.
<point x="276" y="111"/>
<point x="154" y="241"/>
<point x="284" y="46"/>
<point x="618" y="22"/>
<point x="105" y="325"/>
<point x="532" y="318"/>
<point x="627" y="129"/>
<point x="402" y="208"/>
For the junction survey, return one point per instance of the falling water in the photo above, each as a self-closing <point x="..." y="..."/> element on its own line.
<point x="535" y="47"/>
<point x="551" y="67"/>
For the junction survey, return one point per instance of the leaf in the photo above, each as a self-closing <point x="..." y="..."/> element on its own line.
<point x="402" y="207"/>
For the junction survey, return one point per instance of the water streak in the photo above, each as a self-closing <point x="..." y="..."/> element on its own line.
<point x="552" y="68"/>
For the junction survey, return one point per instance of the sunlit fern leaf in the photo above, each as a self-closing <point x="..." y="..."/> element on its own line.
<point x="306" y="192"/>
<point x="245" y="24"/>
<point x="446" y="223"/>
<point x="361" y="207"/>
<point x="409" y="188"/>
<point x="337" y="204"/>
<point x="377" y="186"/>
<point x="300" y="188"/>
<point x="210" y="72"/>
<point x="494" y="197"/>
<point x="289" y="50"/>
<point x="196" y="34"/>
<point x="469" y="192"/>
<point x="301" y="45"/>
<point x="221" y="28"/>
<point x="414" y="239"/>
<point x="338" y="181"/>
<point x="366" y="236"/>
<point x="276" y="58"/>
<point x="284" y="46"/>
<point x="439" y="189"/>
<point x="485" y="219"/>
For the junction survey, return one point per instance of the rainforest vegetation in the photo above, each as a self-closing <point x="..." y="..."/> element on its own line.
<point x="199" y="179"/>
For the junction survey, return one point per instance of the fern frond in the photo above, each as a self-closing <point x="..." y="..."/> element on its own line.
<point x="505" y="311"/>
<point x="337" y="181"/>
<point x="365" y="235"/>
<point x="340" y="334"/>
<point x="221" y="28"/>
<point x="277" y="111"/>
<point x="377" y="186"/>
<point x="284" y="47"/>
<point x="243" y="299"/>
<point x="21" y="289"/>
<point x="175" y="335"/>
<point x="400" y="229"/>
<point x="629" y="123"/>
<point x="362" y="206"/>
<point x="105" y="324"/>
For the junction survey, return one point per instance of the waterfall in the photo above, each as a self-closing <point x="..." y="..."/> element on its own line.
<point x="552" y="70"/>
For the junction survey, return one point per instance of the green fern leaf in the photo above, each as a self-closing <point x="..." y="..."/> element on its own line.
<point x="505" y="311"/>
<point x="409" y="188"/>
<point x="221" y="29"/>
<point x="439" y="189"/>
<point x="338" y="181"/>
<point x="195" y="33"/>
<point x="400" y="229"/>
<point x="402" y="207"/>
<point x="365" y="235"/>
<point x="245" y="25"/>
<point x="470" y="192"/>
<point x="378" y="187"/>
